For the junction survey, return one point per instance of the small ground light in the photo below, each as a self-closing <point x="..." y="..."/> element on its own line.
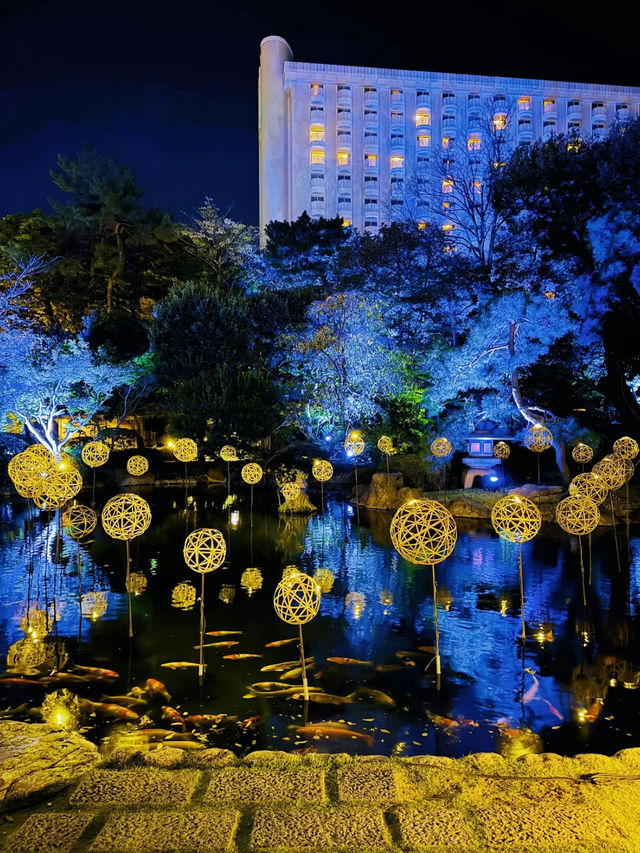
<point x="493" y="479"/>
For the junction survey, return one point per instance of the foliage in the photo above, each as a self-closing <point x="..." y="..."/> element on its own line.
<point x="120" y="335"/>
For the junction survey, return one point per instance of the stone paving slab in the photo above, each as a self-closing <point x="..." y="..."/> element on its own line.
<point x="436" y="827"/>
<point x="49" y="833"/>
<point x="370" y="783"/>
<point x="245" y="785"/>
<point x="326" y="830"/>
<point x="168" y="832"/>
<point x="138" y="787"/>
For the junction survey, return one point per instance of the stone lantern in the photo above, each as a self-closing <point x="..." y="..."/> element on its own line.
<point x="480" y="460"/>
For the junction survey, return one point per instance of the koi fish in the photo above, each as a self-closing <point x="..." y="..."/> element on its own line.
<point x="162" y="734"/>
<point x="179" y="664"/>
<point x="107" y="709"/>
<point x="350" y="661"/>
<point x="277" y="643"/>
<point x="204" y="721"/>
<point x="283" y="691"/>
<point x="127" y="701"/>
<point x="96" y="671"/>
<point x="388" y="667"/>
<point x="531" y="692"/>
<point x="249" y="723"/>
<point x="402" y="654"/>
<point x="428" y="649"/>
<point x="156" y="686"/>
<point x="68" y="677"/>
<point x="169" y="713"/>
<point x="377" y="695"/>
<point x="444" y="722"/>
<point x="267" y="685"/>
<point x="593" y="712"/>
<point x="295" y="673"/>
<point x="334" y="732"/>
<point x="327" y="698"/>
<point x="284" y="665"/>
<point x="225" y="644"/>
<point x="241" y="656"/>
<point x="23" y="682"/>
<point x="178" y="744"/>
<point x="222" y="633"/>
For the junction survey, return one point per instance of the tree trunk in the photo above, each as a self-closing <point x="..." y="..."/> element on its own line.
<point x="118" y="270"/>
<point x="560" y="449"/>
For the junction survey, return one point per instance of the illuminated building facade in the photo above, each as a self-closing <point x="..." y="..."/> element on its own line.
<point x="339" y="140"/>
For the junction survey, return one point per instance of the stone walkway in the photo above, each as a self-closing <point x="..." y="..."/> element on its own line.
<point x="210" y="802"/>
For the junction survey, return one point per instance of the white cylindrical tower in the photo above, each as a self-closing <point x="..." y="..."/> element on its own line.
<point x="273" y="132"/>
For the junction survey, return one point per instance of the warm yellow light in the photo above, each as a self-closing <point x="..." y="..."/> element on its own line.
<point x="371" y="159"/>
<point x="448" y="226"/>
<point x="474" y="143"/>
<point x="234" y="519"/>
<point x="423" y="117"/>
<point x="445" y="141"/>
<point x="171" y="445"/>
<point x="316" y="133"/>
<point x="346" y="223"/>
<point x="316" y="157"/>
<point x="499" y="121"/>
<point x="397" y="162"/>
<point x="424" y="141"/>
<point x="524" y="103"/>
<point x="447" y="186"/>
<point x="549" y="294"/>
<point x="422" y="226"/>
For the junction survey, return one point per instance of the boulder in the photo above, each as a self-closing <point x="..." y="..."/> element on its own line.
<point x="37" y="760"/>
<point x="407" y="494"/>
<point x="463" y="507"/>
<point x="382" y="493"/>
<point x="533" y="491"/>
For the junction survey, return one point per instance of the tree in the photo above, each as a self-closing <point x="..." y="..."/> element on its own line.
<point x="44" y="380"/>
<point x="300" y="251"/>
<point x="105" y="211"/>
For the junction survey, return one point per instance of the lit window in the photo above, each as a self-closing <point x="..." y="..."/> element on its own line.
<point x="422" y="226"/>
<point x="344" y="158"/>
<point x="446" y="205"/>
<point x="424" y="141"/>
<point x="396" y="161"/>
<point x="316" y="133"/>
<point x="316" y="89"/>
<point x="396" y="93"/>
<point x="317" y="157"/>
<point x="346" y="223"/>
<point x="371" y="160"/>
<point x="423" y="117"/>
<point x="447" y="185"/>
<point x="448" y="226"/>
<point x="499" y="121"/>
<point x="474" y="143"/>
<point x="476" y="186"/>
<point x="549" y="105"/>
<point x="524" y="103"/>
<point x="446" y="141"/>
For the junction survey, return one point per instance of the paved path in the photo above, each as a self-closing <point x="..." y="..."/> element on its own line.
<point x="291" y="804"/>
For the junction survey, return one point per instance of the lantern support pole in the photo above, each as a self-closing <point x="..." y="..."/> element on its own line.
<point x="201" y="661"/>
<point x="435" y="619"/>
<point x="128" y="593"/>
<point x="584" y="592"/>
<point x="615" y="532"/>
<point x="524" y="632"/>
<point x="305" y="683"/>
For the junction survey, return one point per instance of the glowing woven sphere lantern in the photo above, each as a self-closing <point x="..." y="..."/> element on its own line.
<point x="79" y="520"/>
<point x="289" y="571"/>
<point x="424" y="532"/>
<point x="229" y="453"/>
<point x="185" y="450"/>
<point x="582" y="453"/>
<point x="580" y="516"/>
<point x="296" y="601"/>
<point x="251" y="473"/>
<point x="322" y="470"/>
<point x="538" y="438"/>
<point x="385" y="444"/>
<point x="46" y="459"/>
<point x="204" y="551"/>
<point x="137" y="465"/>
<point x="627" y="466"/>
<point x="501" y="450"/>
<point x="441" y="447"/>
<point x="57" y="488"/>
<point x="626" y="447"/>
<point x="353" y="443"/>
<point x="516" y="519"/>
<point x="95" y="453"/>
<point x="612" y="471"/>
<point x="589" y="485"/>
<point x="290" y="492"/>
<point x="125" y="517"/>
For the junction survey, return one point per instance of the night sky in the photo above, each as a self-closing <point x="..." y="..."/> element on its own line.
<point x="172" y="90"/>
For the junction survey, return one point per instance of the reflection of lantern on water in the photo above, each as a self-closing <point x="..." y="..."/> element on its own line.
<point x="357" y="601"/>
<point x="386" y="599"/>
<point x="445" y="598"/>
<point x="234" y="518"/>
<point x="544" y="633"/>
<point x="324" y="578"/>
<point x="504" y="606"/>
<point x="512" y="743"/>
<point x="251" y="580"/>
<point x="136" y="583"/>
<point x="227" y="593"/>
<point x="578" y="515"/>
<point x="183" y="596"/>
<point x="28" y="655"/>
<point x="94" y="604"/>
<point x="61" y="709"/>
<point x="585" y="632"/>
<point x="35" y="623"/>
<point x="289" y="571"/>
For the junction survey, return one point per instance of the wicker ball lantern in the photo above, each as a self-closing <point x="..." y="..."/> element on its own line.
<point x="627" y="466"/>
<point x="322" y="470"/>
<point x="95" y="453"/>
<point x="296" y="601"/>
<point x="424" y="532"/>
<point x="612" y="471"/>
<point x="353" y="443"/>
<point x="57" y="488"/>
<point x="385" y="444"/>
<point x="538" y="438"/>
<point x="204" y="550"/>
<point x="589" y="485"/>
<point x="137" y="465"/>
<point x="626" y="447"/>
<point x="501" y="450"/>
<point x="79" y="520"/>
<point x="441" y="447"/>
<point x="290" y="492"/>
<point x="577" y="515"/>
<point x="251" y="473"/>
<point x="185" y="450"/>
<point x="229" y="453"/>
<point x="582" y="453"/>
<point x="126" y="516"/>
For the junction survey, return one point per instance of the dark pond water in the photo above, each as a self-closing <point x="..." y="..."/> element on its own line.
<point x="571" y="688"/>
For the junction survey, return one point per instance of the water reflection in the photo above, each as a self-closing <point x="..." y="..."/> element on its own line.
<point x="572" y="684"/>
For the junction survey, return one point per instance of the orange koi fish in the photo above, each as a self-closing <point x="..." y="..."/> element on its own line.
<point x="277" y="643"/>
<point x="335" y="731"/>
<point x="169" y="713"/>
<point x="350" y="661"/>
<point x="156" y="686"/>
<point x="96" y="671"/>
<point x="106" y="709"/>
<point x="240" y="656"/>
<point x="221" y="633"/>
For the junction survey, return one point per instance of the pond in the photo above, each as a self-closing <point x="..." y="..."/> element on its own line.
<point x="572" y="687"/>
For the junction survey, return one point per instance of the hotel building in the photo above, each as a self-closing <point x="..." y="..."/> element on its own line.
<point x="340" y="140"/>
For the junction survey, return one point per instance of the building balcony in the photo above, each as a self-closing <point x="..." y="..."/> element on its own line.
<point x="344" y="209"/>
<point x="370" y="207"/>
<point x="549" y="107"/>
<point x="448" y="122"/>
<point x="599" y="112"/>
<point x="574" y="111"/>
<point x="317" y="207"/>
<point x="344" y="138"/>
<point x="397" y="101"/>
<point x="316" y="114"/>
<point x="474" y="125"/>
<point x="499" y="105"/>
<point x="344" y="97"/>
<point x="525" y="132"/>
<point x="371" y="99"/>
<point x="623" y="114"/>
<point x="396" y="124"/>
<point x="344" y="122"/>
<point x="316" y="98"/>
<point x="317" y="183"/>
<point x="449" y="100"/>
<point x="423" y="100"/>
<point x="548" y="131"/>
